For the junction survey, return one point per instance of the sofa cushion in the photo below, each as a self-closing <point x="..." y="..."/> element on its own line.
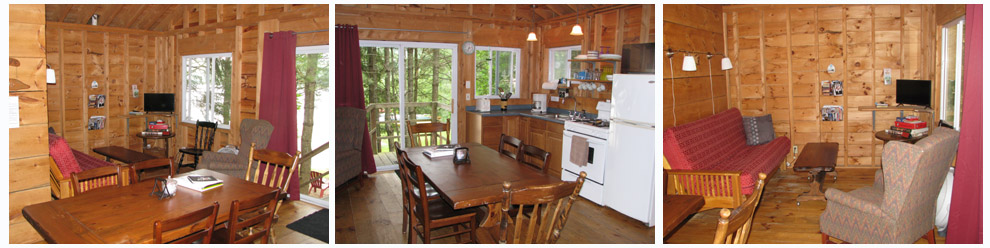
<point x="755" y="160"/>
<point x="705" y="143"/>
<point x="758" y="129"/>
<point x="87" y="162"/>
<point x="63" y="156"/>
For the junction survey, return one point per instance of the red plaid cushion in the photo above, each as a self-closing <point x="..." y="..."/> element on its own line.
<point x="62" y="154"/>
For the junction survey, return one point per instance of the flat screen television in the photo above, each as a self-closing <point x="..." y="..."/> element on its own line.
<point x="914" y="92"/>
<point x="159" y="102"/>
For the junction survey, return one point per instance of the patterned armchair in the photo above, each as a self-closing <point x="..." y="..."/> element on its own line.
<point x="900" y="206"/>
<point x="349" y="139"/>
<point x="252" y="131"/>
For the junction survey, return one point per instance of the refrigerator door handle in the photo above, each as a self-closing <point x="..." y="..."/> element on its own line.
<point x="652" y="82"/>
<point x="634" y="123"/>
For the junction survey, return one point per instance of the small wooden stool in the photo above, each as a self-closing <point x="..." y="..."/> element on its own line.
<point x="817" y="159"/>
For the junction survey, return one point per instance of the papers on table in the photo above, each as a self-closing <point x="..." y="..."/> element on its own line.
<point x="438" y="152"/>
<point x="199" y="183"/>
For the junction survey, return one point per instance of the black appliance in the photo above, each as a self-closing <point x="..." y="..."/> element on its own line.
<point x="638" y="58"/>
<point x="914" y="92"/>
<point x="159" y="102"/>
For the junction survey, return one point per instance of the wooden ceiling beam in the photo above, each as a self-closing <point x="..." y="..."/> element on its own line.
<point x="102" y="28"/>
<point x="113" y="14"/>
<point x="65" y="13"/>
<point x="322" y="10"/>
<point x="557" y="9"/>
<point x="136" y="15"/>
<point x="85" y="18"/>
<point x="569" y="7"/>
<point x="590" y="11"/>
<point x="158" y="19"/>
<point x="544" y="13"/>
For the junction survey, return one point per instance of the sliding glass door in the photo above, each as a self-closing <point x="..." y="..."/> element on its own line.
<point x="407" y="82"/>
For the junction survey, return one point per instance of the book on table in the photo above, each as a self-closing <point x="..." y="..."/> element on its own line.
<point x="440" y="151"/>
<point x="199" y="183"/>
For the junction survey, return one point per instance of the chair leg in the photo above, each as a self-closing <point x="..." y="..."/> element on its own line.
<point x="181" y="157"/>
<point x="195" y="161"/>
<point x="457" y="238"/>
<point x="405" y="219"/>
<point x="825" y="238"/>
<point x="930" y="236"/>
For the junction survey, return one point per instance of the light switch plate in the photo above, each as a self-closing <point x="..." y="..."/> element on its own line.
<point x="555" y="98"/>
<point x="467" y="84"/>
<point x="467" y="96"/>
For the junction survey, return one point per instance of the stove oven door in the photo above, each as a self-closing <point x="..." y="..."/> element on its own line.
<point x="593" y="186"/>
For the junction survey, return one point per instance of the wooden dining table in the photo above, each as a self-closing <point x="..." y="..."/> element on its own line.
<point x="126" y="214"/>
<point x="477" y="183"/>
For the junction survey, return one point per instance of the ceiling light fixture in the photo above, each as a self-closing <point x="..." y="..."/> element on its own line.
<point x="532" y="33"/>
<point x="576" y="30"/>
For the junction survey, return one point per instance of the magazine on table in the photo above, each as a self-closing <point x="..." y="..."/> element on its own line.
<point x="440" y="151"/>
<point x="199" y="183"/>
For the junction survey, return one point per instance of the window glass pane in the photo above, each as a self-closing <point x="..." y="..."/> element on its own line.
<point x="206" y="91"/>
<point x="575" y="66"/>
<point x="559" y="64"/>
<point x="221" y="90"/>
<point x="951" y="71"/>
<point x="481" y="77"/>
<point x="195" y="96"/>
<point x="504" y="69"/>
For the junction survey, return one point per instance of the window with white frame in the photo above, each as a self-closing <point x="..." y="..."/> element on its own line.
<point x="206" y="88"/>
<point x="559" y="66"/>
<point x="496" y="68"/>
<point x="952" y="58"/>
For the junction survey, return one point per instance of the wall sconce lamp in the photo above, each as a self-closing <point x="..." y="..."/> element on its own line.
<point x="690" y="64"/>
<point x="50" y="74"/>
<point x="726" y="63"/>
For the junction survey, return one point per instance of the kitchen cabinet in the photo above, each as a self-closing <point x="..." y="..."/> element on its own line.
<point x="533" y="132"/>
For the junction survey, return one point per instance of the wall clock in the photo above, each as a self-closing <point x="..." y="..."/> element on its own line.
<point x="468" y="47"/>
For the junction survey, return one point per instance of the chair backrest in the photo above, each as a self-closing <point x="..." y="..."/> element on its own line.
<point x="316" y="181"/>
<point x="107" y="176"/>
<point x="413" y="180"/>
<point x="733" y="226"/>
<point x="253" y="131"/>
<point x="913" y="175"/>
<point x="511" y="141"/>
<point x="350" y="127"/>
<point x="278" y="167"/>
<point x="187" y="228"/>
<point x="529" y="153"/>
<point x="430" y="132"/>
<point x="547" y="205"/>
<point x="204" y="135"/>
<point x="137" y="168"/>
<point x="254" y="213"/>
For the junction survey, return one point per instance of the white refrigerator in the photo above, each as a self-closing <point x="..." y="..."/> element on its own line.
<point x="629" y="178"/>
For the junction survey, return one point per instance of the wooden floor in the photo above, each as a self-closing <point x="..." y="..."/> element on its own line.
<point x="368" y="211"/>
<point x="778" y="219"/>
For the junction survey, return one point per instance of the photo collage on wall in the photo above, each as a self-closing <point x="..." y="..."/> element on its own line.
<point x="832" y="113"/>
<point x="97" y="101"/>
<point x="832" y="88"/>
<point x="97" y="122"/>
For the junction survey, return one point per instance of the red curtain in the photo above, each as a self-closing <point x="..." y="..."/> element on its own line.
<point x="278" y="96"/>
<point x="966" y="209"/>
<point x="349" y="85"/>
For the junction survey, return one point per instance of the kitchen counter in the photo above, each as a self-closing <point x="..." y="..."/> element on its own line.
<point x="517" y="110"/>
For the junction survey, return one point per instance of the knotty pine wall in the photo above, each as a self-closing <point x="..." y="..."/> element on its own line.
<point x="29" y="161"/>
<point x="780" y="54"/>
<point x="689" y="96"/>
<point x="238" y="29"/>
<point x="615" y="27"/>
<point x="114" y="57"/>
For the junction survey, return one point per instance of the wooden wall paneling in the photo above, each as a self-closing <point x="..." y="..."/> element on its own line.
<point x="694" y="95"/>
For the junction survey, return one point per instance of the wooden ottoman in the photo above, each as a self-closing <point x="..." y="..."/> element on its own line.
<point x="816" y="159"/>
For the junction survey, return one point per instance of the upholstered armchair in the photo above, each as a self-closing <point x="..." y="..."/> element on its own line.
<point x="252" y="131"/>
<point x="350" y="138"/>
<point x="900" y="206"/>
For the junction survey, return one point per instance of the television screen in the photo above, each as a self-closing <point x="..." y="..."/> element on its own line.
<point x="914" y="92"/>
<point x="159" y="102"/>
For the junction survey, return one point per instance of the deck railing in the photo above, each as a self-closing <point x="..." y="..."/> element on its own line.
<point x="388" y="127"/>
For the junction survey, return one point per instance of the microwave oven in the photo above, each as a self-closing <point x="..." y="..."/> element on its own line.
<point x="638" y="58"/>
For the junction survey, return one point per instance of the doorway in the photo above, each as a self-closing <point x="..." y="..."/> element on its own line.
<point x="407" y="82"/>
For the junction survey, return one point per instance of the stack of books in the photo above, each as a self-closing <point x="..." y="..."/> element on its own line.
<point x="909" y="127"/>
<point x="440" y="151"/>
<point x="156" y="128"/>
<point x="199" y="183"/>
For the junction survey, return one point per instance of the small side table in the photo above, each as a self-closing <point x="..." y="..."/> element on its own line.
<point x="886" y="137"/>
<point x="816" y="159"/>
<point x="144" y="146"/>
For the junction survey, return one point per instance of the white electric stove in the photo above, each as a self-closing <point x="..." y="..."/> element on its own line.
<point x="596" y="133"/>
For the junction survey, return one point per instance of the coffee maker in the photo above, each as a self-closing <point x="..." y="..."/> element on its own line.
<point x="540" y="103"/>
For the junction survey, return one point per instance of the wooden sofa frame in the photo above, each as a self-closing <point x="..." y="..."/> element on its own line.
<point x="721" y="189"/>
<point x="62" y="187"/>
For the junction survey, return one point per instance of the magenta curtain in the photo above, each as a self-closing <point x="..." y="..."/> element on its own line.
<point x="278" y="96"/>
<point x="349" y="85"/>
<point x="966" y="209"/>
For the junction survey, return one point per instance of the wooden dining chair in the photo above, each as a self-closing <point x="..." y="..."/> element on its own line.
<point x="510" y="141"/>
<point x="279" y="168"/>
<point x="159" y="163"/>
<point x="107" y="176"/>
<point x="431" y="192"/>
<point x="419" y="131"/>
<point x="529" y="153"/>
<point x="734" y="225"/>
<point x="188" y="228"/>
<point x="547" y="207"/>
<point x="249" y="220"/>
<point x="204" y="142"/>
<point x="429" y="214"/>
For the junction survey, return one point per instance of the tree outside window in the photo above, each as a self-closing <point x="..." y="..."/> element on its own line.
<point x="206" y="88"/>
<point x="496" y="67"/>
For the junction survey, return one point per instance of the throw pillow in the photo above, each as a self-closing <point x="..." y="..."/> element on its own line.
<point x="62" y="154"/>
<point x="759" y="129"/>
